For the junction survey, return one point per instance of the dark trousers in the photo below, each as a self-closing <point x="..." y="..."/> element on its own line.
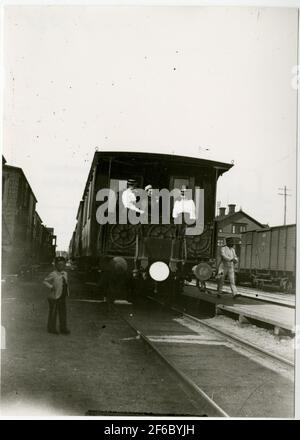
<point x="57" y="307"/>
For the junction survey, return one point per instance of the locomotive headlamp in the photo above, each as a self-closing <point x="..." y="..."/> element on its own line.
<point x="202" y="271"/>
<point x="159" y="271"/>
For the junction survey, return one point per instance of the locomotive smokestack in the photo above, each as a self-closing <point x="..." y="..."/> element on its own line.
<point x="231" y="208"/>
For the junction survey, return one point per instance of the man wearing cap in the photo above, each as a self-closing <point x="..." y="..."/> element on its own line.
<point x="228" y="260"/>
<point x="129" y="197"/>
<point x="151" y="202"/>
<point x="149" y="190"/>
<point x="184" y="205"/>
<point x="57" y="283"/>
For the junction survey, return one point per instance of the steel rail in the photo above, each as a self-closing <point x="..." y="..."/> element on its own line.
<point x="236" y="339"/>
<point x="204" y="402"/>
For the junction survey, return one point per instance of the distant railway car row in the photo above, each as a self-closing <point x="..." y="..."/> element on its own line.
<point x="268" y="257"/>
<point x="26" y="241"/>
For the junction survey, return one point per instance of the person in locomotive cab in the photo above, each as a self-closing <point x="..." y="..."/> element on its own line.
<point x="149" y="191"/>
<point x="182" y="207"/>
<point x="147" y="202"/>
<point x="151" y="202"/>
<point x="129" y="197"/>
<point x="57" y="283"/>
<point x="226" y="267"/>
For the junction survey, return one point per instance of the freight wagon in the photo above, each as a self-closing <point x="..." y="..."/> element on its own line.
<point x="268" y="257"/>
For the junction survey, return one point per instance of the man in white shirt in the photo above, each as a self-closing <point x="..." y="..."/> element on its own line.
<point x="228" y="260"/>
<point x="57" y="283"/>
<point x="129" y="198"/>
<point x="184" y="205"/>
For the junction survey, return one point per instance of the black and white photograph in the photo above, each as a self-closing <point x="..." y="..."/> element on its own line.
<point x="149" y="212"/>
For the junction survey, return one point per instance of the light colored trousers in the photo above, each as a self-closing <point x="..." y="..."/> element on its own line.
<point x="226" y="269"/>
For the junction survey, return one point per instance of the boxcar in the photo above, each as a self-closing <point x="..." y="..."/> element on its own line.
<point x="268" y="257"/>
<point x="94" y="246"/>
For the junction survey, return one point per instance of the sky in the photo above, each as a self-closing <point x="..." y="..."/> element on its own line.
<point x="210" y="82"/>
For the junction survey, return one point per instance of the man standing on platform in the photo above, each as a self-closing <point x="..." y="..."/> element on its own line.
<point x="228" y="260"/>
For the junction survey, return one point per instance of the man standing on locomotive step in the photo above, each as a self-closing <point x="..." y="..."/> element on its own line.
<point x="228" y="260"/>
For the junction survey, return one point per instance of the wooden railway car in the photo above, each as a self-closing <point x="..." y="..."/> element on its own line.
<point x="268" y="257"/>
<point x="107" y="248"/>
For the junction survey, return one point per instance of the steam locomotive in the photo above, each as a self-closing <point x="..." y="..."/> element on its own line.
<point x="123" y="245"/>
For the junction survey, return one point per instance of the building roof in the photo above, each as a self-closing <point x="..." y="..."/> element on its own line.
<point x="231" y="216"/>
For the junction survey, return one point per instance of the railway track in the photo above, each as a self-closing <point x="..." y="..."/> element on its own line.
<point x="267" y="297"/>
<point x="233" y="338"/>
<point x="162" y="331"/>
<point x="204" y="404"/>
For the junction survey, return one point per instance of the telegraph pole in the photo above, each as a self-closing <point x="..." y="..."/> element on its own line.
<point x="285" y="195"/>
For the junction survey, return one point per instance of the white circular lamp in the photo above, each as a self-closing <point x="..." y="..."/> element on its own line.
<point x="159" y="271"/>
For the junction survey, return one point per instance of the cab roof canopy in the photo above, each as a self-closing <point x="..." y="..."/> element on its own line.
<point x="129" y="157"/>
<point x="158" y="157"/>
